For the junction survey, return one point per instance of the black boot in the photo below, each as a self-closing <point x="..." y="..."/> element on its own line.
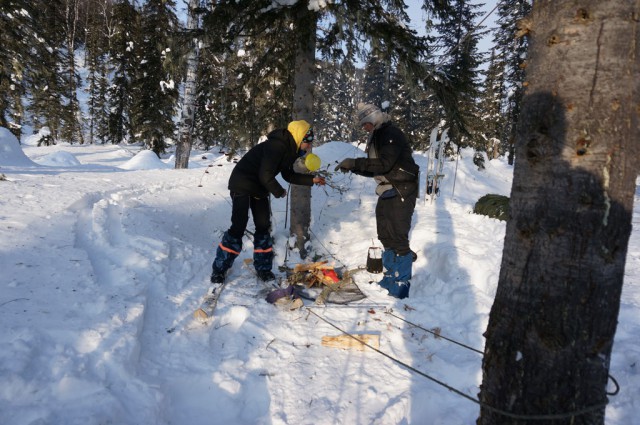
<point x="265" y="275"/>
<point x="217" y="277"/>
<point x="226" y="253"/>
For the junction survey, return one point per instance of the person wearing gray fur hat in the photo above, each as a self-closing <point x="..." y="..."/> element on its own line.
<point x="390" y="163"/>
<point x="369" y="113"/>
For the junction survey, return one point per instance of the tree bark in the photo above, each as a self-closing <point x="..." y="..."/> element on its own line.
<point x="552" y="325"/>
<point x="185" y="127"/>
<point x="303" y="110"/>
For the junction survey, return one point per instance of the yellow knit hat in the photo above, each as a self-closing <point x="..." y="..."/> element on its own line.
<point x="298" y="129"/>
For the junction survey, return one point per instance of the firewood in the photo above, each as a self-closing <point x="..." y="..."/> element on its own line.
<point x="309" y="266"/>
<point x="347" y="342"/>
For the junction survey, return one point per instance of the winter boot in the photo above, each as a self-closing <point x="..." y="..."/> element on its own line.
<point x="263" y="256"/>
<point x="265" y="275"/>
<point x="400" y="288"/>
<point x="399" y="271"/>
<point x="388" y="264"/>
<point x="226" y="253"/>
<point x="217" y="277"/>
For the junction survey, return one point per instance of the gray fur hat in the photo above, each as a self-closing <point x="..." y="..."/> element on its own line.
<point x="368" y="112"/>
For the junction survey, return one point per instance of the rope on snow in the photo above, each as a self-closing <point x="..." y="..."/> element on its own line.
<point x="542" y="417"/>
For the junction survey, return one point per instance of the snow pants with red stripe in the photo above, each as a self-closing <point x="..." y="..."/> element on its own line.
<point x="231" y="244"/>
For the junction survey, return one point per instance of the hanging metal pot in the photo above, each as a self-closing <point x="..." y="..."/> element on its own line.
<point x="374" y="260"/>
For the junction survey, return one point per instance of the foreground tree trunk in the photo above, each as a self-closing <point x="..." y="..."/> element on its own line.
<point x="552" y="325"/>
<point x="306" y="23"/>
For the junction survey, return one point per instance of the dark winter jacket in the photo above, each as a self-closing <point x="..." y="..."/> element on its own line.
<point x="255" y="174"/>
<point x="393" y="157"/>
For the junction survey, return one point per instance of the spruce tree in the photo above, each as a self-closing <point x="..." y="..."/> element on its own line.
<point x="375" y="81"/>
<point x="124" y="61"/>
<point x="155" y="88"/>
<point x="244" y="84"/>
<point x="512" y="46"/>
<point x="491" y="117"/>
<point x="213" y="102"/>
<point x="46" y="82"/>
<point x="334" y="101"/>
<point x="344" y="30"/>
<point x="16" y="35"/>
<point x="97" y="81"/>
<point x="409" y="108"/>
<point x="461" y="60"/>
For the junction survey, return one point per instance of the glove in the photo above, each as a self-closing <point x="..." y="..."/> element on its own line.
<point x="347" y="164"/>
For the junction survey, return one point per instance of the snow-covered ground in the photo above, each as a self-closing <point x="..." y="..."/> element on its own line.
<point x="105" y="254"/>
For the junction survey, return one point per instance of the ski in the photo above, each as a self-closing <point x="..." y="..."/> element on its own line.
<point x="433" y="140"/>
<point x="435" y="163"/>
<point x="440" y="164"/>
<point x="209" y="302"/>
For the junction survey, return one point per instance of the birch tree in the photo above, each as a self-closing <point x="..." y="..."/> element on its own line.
<point x="187" y="115"/>
<point x="72" y="124"/>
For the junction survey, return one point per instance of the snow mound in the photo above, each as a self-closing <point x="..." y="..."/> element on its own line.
<point x="145" y="160"/>
<point x="58" y="159"/>
<point x="34" y="139"/>
<point x="10" y="151"/>
<point x="331" y="153"/>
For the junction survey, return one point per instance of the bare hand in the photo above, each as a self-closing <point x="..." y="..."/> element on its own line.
<point x="319" y="181"/>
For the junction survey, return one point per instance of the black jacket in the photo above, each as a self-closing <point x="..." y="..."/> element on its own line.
<point x="255" y="174"/>
<point x="394" y="157"/>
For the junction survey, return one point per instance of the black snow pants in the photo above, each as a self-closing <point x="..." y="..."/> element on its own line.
<point x="393" y="218"/>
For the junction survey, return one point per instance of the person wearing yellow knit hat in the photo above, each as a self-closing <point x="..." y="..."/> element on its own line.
<point x="252" y="181"/>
